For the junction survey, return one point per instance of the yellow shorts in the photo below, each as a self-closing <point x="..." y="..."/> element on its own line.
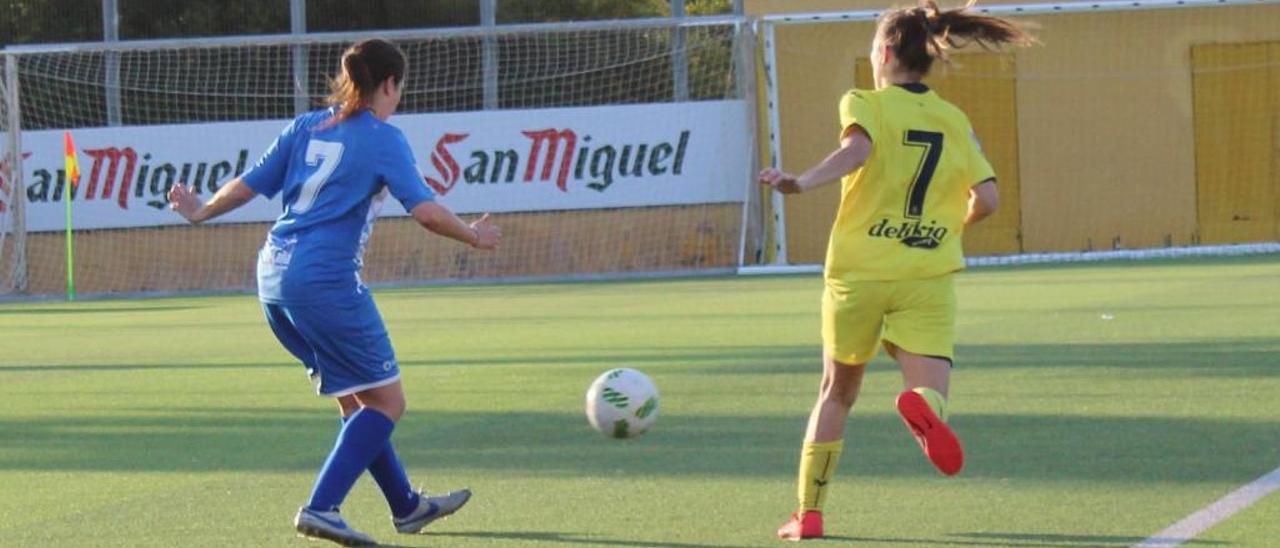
<point x="915" y="315"/>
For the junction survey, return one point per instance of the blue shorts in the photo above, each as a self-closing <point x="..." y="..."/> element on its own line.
<point x="344" y="346"/>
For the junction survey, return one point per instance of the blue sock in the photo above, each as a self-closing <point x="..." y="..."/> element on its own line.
<point x="364" y="435"/>
<point x="390" y="475"/>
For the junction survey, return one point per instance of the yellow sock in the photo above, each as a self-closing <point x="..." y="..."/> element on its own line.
<point x="935" y="399"/>
<point x="817" y="464"/>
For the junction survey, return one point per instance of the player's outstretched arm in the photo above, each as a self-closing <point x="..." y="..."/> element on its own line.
<point x="853" y="152"/>
<point x="481" y="234"/>
<point x="983" y="200"/>
<point x="230" y="196"/>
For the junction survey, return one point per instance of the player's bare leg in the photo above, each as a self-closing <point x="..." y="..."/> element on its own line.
<point x="347" y="405"/>
<point x="388" y="400"/>
<point x="922" y="405"/>
<point x="824" y="440"/>
<point x="837" y="393"/>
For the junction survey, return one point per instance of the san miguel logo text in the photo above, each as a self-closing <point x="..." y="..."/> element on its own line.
<point x="121" y="174"/>
<point x="558" y="155"/>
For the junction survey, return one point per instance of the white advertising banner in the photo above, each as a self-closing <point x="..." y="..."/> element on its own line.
<point x="499" y="161"/>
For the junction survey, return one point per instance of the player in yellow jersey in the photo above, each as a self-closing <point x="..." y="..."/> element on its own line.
<point x="913" y="177"/>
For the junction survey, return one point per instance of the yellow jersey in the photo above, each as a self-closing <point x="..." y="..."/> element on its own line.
<point x="902" y="213"/>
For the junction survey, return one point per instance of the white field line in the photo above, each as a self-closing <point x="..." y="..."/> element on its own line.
<point x="1225" y="507"/>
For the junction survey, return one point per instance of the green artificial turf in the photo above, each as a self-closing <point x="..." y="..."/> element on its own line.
<point x="1098" y="404"/>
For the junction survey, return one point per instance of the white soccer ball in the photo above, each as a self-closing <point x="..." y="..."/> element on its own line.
<point x="622" y="403"/>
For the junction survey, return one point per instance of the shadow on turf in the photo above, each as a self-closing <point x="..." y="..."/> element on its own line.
<point x="1253" y="358"/>
<point x="1248" y="358"/>
<point x="1013" y="448"/>
<point x="1003" y="540"/>
<point x="572" y="538"/>
<point x="108" y="368"/>
<point x="118" y="368"/>
<point x="1016" y="540"/>
<point x="79" y="310"/>
<point x="1046" y="539"/>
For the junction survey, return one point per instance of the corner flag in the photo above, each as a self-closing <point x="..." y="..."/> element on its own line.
<point x="72" y="165"/>
<point x="71" y="162"/>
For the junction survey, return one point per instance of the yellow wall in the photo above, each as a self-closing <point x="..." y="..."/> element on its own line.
<point x="1237" y="118"/>
<point x="1105" y="136"/>
<point x="812" y="75"/>
<point x="1106" y="125"/>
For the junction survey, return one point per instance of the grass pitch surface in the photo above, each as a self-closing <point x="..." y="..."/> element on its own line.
<point x="1098" y="405"/>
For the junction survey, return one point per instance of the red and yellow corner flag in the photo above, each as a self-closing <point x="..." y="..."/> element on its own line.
<point x="73" y="178"/>
<point x="69" y="155"/>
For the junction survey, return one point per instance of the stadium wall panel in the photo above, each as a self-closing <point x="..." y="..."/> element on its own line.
<point x="223" y="257"/>
<point x="1104" y="133"/>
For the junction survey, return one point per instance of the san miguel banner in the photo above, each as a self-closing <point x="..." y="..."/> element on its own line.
<point x="497" y="161"/>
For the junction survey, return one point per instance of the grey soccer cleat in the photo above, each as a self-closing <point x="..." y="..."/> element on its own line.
<point x="329" y="526"/>
<point x="431" y="509"/>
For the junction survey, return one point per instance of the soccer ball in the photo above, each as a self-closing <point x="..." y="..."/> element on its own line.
<point x="622" y="403"/>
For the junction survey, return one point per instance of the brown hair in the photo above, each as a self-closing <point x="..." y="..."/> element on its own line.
<point x="365" y="66"/>
<point x="922" y="34"/>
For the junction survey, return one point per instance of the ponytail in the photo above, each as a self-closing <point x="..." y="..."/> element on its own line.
<point x="924" y="33"/>
<point x="365" y="66"/>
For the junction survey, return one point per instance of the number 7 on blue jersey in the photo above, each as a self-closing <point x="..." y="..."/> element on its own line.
<point x="327" y="154"/>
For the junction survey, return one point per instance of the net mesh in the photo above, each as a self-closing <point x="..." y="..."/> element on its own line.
<point x="562" y="66"/>
<point x="12" y="235"/>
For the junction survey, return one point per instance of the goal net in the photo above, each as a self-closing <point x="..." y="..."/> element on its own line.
<point x="1136" y="129"/>
<point x="602" y="149"/>
<point x="12" y="231"/>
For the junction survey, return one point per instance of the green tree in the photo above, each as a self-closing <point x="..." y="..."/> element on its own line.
<point x="708" y="7"/>
<point x="36" y="21"/>
<point x="339" y="15"/>
<point x="188" y="18"/>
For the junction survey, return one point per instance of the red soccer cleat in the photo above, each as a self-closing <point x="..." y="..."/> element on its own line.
<point x="936" y="439"/>
<point x="802" y="525"/>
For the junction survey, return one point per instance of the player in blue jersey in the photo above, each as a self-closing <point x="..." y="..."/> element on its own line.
<point x="333" y="168"/>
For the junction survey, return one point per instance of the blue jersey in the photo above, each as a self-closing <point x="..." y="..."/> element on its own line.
<point x="332" y="178"/>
